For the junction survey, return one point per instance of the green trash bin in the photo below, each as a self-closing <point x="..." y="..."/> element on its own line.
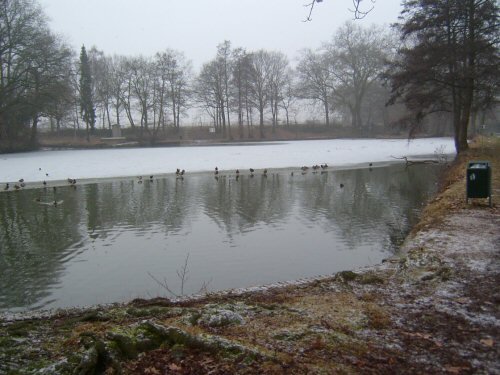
<point x="479" y="180"/>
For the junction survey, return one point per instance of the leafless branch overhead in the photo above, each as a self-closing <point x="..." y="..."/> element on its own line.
<point x="311" y="7"/>
<point x="359" y="12"/>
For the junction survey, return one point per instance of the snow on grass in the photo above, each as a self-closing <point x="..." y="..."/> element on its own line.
<point x="92" y="164"/>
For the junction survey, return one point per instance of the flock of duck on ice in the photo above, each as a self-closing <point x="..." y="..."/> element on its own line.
<point x="179" y="175"/>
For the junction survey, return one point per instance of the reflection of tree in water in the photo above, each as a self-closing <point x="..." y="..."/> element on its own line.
<point x="35" y="241"/>
<point x="139" y="206"/>
<point x="240" y="204"/>
<point x="371" y="204"/>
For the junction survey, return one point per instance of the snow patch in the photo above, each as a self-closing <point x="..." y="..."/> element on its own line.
<point x="112" y="163"/>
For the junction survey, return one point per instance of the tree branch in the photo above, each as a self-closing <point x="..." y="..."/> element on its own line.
<point x="358" y="12"/>
<point x="311" y="7"/>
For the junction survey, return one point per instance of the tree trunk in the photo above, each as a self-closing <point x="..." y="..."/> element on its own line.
<point x="108" y="116"/>
<point x="33" y="135"/>
<point x="327" y="113"/>
<point x="261" y="121"/>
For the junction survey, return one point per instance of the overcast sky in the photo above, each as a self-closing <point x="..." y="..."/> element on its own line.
<point x="134" y="27"/>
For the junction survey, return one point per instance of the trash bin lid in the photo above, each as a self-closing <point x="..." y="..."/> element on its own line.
<point x="479" y="165"/>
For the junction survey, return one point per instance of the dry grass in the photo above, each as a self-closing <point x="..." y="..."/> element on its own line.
<point x="452" y="195"/>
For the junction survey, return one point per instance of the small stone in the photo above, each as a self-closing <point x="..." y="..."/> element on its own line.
<point x="220" y="318"/>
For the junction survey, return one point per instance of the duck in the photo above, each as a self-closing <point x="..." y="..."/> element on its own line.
<point x="44" y="183"/>
<point x="21" y="180"/>
<point x="324" y="166"/>
<point x="6" y="186"/>
<point x="23" y="184"/>
<point x="216" y="171"/>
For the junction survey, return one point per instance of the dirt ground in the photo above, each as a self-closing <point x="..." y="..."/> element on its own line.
<point x="432" y="309"/>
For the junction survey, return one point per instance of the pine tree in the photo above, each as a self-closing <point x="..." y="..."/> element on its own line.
<point x="450" y="62"/>
<point x="87" y="109"/>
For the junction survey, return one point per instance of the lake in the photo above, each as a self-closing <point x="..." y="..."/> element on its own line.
<point x="115" y="240"/>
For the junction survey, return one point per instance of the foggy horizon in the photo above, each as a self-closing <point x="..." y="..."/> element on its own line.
<point x="131" y="28"/>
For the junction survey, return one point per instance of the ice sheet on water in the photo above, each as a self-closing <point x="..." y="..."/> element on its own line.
<point x="92" y="164"/>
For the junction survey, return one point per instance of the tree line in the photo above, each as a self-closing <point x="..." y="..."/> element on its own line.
<point x="441" y="58"/>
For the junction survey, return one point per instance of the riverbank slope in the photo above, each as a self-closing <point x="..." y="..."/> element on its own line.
<point x="431" y="309"/>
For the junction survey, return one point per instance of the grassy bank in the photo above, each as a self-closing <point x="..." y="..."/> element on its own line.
<point x="452" y="189"/>
<point x="431" y="309"/>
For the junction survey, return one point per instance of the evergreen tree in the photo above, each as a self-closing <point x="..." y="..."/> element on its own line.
<point x="87" y="109"/>
<point x="450" y="62"/>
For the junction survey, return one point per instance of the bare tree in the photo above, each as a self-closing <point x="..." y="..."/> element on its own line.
<point x="142" y="82"/>
<point x="315" y="79"/>
<point x="33" y="71"/>
<point x="224" y="62"/>
<point x="357" y="58"/>
<point x="241" y="88"/>
<point x="278" y="79"/>
<point x="127" y="92"/>
<point x="61" y="100"/>
<point x="288" y="95"/>
<point x="175" y="73"/>
<point x="210" y="93"/>
<point x="101" y="76"/>
<point x="117" y="85"/>
<point x="260" y="73"/>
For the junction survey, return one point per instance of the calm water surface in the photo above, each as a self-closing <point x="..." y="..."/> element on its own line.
<point x="107" y="241"/>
